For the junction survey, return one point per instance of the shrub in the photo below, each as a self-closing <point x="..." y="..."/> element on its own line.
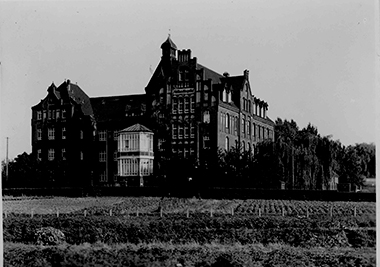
<point x="49" y="236"/>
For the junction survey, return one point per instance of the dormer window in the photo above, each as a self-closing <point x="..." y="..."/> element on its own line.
<point x="224" y="99"/>
<point x="229" y="97"/>
<point x="39" y="115"/>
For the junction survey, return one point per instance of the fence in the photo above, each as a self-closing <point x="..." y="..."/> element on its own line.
<point x="206" y="193"/>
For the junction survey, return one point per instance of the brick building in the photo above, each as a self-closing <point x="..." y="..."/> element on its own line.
<point x="63" y="127"/>
<point x="204" y="110"/>
<point x="191" y="109"/>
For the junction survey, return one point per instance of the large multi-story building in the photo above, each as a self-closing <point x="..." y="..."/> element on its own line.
<point x="205" y="110"/>
<point x="63" y="126"/>
<point x="191" y="109"/>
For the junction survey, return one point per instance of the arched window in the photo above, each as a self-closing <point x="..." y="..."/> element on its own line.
<point x="228" y="123"/>
<point x="253" y="149"/>
<point x="227" y="143"/>
<point x="229" y="97"/>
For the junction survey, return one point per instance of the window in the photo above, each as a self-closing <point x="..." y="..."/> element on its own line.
<point x="51" y="154"/>
<point x="57" y="114"/>
<point x="192" y="130"/>
<point x="227" y="143"/>
<point x="39" y="115"/>
<point x="174" y="131"/>
<point x="243" y="125"/>
<point x="81" y="155"/>
<point x="192" y="105"/>
<point x="102" y="156"/>
<point x="206" y="141"/>
<point x="103" y="176"/>
<point x="206" y="116"/>
<point x="187" y="131"/>
<point x="51" y="133"/>
<point x="259" y="131"/>
<point x="63" y="132"/>
<point x="254" y="130"/>
<point x="115" y="135"/>
<point x="186" y="152"/>
<point x="236" y="125"/>
<point x="224" y="99"/>
<point x="39" y="134"/>
<point x="63" y="113"/>
<point x="102" y="135"/>
<point x="180" y="131"/>
<point x="49" y="114"/>
<point x="187" y="105"/>
<point x="229" y="97"/>
<point x="253" y="149"/>
<point x="44" y="117"/>
<point x="81" y="134"/>
<point x="248" y="146"/>
<point x="53" y="114"/>
<point x="205" y="95"/>
<point x="249" y="127"/>
<point x="175" y="105"/>
<point x="39" y="154"/>
<point x="227" y="123"/>
<point x="63" y="154"/>
<point x="243" y="145"/>
<point x="180" y="105"/>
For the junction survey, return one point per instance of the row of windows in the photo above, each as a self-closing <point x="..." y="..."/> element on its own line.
<point x="253" y="108"/>
<point x="183" y="131"/>
<point x="102" y="134"/>
<point x="52" y="154"/>
<point x="51" y="114"/>
<point x="183" y="151"/>
<point x="229" y="124"/>
<point x="227" y="96"/>
<point x="243" y="146"/>
<point x="103" y="156"/>
<point x="183" y="105"/>
<point x="52" y="135"/>
<point x="131" y="167"/>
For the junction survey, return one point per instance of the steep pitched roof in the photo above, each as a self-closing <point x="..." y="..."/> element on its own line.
<point x="236" y="82"/>
<point x="77" y="94"/>
<point x="210" y="74"/>
<point x="115" y="107"/>
<point x="169" y="42"/>
<point x="136" y="128"/>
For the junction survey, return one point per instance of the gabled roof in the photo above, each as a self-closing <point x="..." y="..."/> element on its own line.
<point x="136" y="128"/>
<point x="76" y="94"/>
<point x="236" y="82"/>
<point x="116" y="107"/>
<point x="210" y="74"/>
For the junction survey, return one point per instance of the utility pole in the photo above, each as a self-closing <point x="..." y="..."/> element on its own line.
<point x="6" y="161"/>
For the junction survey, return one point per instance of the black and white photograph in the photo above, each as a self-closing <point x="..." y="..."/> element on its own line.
<point x="189" y="133"/>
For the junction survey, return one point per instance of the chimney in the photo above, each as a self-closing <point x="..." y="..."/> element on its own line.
<point x="226" y="74"/>
<point x="246" y="74"/>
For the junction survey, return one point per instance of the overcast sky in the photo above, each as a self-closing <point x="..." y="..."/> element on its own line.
<point x="312" y="61"/>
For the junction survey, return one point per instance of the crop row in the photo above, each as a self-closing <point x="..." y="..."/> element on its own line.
<point x="152" y="205"/>
<point x="252" y="206"/>
<point x="342" y="231"/>
<point x="186" y="255"/>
